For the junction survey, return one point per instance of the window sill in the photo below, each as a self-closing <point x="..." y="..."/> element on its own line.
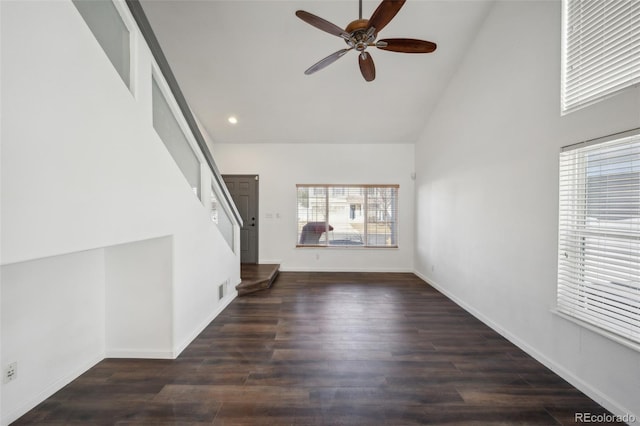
<point x="601" y="331"/>
<point x="347" y="247"/>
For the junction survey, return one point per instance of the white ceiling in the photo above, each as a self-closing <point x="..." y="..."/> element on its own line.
<point x="247" y="58"/>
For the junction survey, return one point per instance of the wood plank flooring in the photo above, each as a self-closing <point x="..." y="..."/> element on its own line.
<point x="327" y="349"/>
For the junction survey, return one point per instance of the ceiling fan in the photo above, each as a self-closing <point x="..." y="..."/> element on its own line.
<point x="362" y="33"/>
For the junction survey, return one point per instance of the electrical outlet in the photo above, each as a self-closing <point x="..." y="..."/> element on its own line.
<point x="11" y="372"/>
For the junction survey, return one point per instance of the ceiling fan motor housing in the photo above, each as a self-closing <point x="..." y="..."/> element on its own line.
<point x="361" y="35"/>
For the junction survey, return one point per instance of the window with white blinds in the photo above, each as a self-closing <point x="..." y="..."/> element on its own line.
<point x="599" y="234"/>
<point x="347" y="215"/>
<point x="601" y="50"/>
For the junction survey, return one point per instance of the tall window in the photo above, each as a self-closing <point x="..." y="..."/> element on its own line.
<point x="599" y="239"/>
<point x="348" y="215"/>
<point x="601" y="49"/>
<point x="109" y="29"/>
<point x="220" y="217"/>
<point x="167" y="127"/>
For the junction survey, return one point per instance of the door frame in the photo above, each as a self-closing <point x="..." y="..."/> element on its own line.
<point x="256" y="177"/>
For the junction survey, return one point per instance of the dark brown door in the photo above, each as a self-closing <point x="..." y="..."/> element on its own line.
<point x="244" y="191"/>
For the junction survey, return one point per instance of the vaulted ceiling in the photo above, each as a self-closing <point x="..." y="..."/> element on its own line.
<point x="247" y="59"/>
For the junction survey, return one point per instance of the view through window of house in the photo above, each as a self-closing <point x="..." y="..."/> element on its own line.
<point x="347" y="215"/>
<point x="599" y="239"/>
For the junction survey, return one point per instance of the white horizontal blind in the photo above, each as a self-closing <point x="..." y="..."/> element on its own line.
<point x="601" y="49"/>
<point x="599" y="234"/>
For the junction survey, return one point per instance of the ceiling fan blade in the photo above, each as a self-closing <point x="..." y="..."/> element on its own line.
<point x="321" y="24"/>
<point x="326" y="61"/>
<point x="406" y="45"/>
<point x="367" y="68"/>
<point x="385" y="13"/>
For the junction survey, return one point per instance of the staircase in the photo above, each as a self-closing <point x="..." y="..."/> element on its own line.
<point x="256" y="277"/>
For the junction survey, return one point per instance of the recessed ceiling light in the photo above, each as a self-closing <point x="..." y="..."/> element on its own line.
<point x="233" y="119"/>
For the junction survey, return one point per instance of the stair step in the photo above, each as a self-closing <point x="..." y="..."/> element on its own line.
<point x="256" y="277"/>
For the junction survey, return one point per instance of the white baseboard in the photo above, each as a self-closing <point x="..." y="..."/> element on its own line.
<point x="11" y="415"/>
<point x="15" y="414"/>
<point x="269" y="262"/>
<point x="225" y="302"/>
<point x="567" y="375"/>
<point x="139" y="353"/>
<point x="342" y="269"/>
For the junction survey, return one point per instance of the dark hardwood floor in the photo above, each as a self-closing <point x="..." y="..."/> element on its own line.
<point x="328" y="349"/>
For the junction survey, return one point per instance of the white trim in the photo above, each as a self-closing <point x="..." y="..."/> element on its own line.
<point x="346" y="247"/>
<point x="17" y="412"/>
<point x="601" y="331"/>
<point x="261" y="261"/>
<point x="139" y="354"/>
<point x="134" y="34"/>
<point x="156" y="75"/>
<point x="344" y="269"/>
<point x="592" y="102"/>
<point x="205" y="182"/>
<point x="329" y="193"/>
<point x="612" y="137"/>
<point x="599" y="288"/>
<point x="191" y="337"/>
<point x="563" y="55"/>
<point x="158" y="80"/>
<point x="588" y="74"/>
<point x="561" y="371"/>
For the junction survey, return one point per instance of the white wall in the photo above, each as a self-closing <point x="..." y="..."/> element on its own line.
<point x="282" y="166"/>
<point x="139" y="314"/>
<point x="41" y="330"/>
<point x="83" y="171"/>
<point x="487" y="196"/>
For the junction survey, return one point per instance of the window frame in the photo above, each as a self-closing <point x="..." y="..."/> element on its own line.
<point x="598" y="286"/>
<point x="608" y="62"/>
<point x="329" y="190"/>
<point x="130" y="80"/>
<point x="223" y="220"/>
<point x="165" y="92"/>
